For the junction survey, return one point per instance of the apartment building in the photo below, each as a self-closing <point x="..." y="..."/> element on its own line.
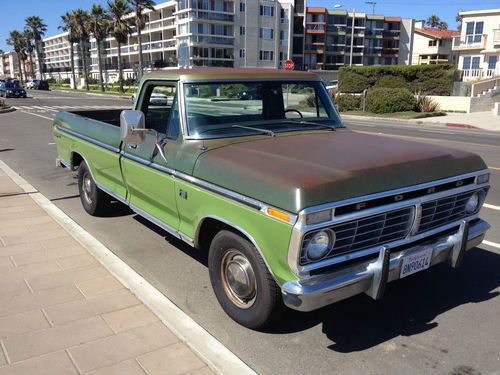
<point x="433" y="46"/>
<point x="376" y="39"/>
<point x="9" y="65"/>
<point x="478" y="45"/>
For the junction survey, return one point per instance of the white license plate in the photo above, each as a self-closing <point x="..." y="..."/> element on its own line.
<point x="416" y="262"/>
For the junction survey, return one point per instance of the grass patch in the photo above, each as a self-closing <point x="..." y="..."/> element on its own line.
<point x="397" y="115"/>
<point x="3" y="104"/>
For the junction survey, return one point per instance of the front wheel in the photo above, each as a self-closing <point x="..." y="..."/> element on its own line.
<point x="242" y="283"/>
<point x="94" y="200"/>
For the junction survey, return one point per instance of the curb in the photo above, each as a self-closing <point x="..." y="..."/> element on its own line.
<point x="465" y="126"/>
<point x="11" y="109"/>
<point x="213" y="352"/>
<point x="96" y="94"/>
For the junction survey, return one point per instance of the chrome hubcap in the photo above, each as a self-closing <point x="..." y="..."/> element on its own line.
<point x="238" y="279"/>
<point x="87" y="187"/>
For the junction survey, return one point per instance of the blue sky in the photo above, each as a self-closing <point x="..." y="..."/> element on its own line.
<point x="15" y="11"/>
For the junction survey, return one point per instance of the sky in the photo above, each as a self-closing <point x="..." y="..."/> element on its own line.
<point x="15" y="11"/>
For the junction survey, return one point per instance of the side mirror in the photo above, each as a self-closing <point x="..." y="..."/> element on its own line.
<point x="132" y="127"/>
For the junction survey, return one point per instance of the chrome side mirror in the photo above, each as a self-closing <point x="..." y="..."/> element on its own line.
<point x="132" y="127"/>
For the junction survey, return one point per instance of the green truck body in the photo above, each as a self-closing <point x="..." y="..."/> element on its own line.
<point x="289" y="189"/>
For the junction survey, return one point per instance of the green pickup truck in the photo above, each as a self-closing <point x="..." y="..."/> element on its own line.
<point x="255" y="167"/>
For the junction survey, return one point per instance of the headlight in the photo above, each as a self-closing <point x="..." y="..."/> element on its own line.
<point x="472" y="204"/>
<point x="319" y="244"/>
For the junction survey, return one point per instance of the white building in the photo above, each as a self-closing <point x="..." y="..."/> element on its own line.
<point x="479" y="44"/>
<point x="433" y="46"/>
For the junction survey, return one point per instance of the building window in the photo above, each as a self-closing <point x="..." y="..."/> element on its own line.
<point x="242" y="53"/>
<point x="283" y="56"/>
<point x="267" y="10"/>
<point x="471" y="62"/>
<point x="242" y="30"/>
<point x="474" y="32"/>
<point x="242" y="7"/>
<point x="267" y="55"/>
<point x="433" y="43"/>
<point x="492" y="62"/>
<point x="284" y="16"/>
<point x="266" y="33"/>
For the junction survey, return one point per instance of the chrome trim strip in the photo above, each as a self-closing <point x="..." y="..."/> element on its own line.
<point x="240" y="198"/>
<point x="112" y="193"/>
<point x="64" y="163"/>
<point x="300" y="228"/>
<point x="88" y="139"/>
<point x="276" y="79"/>
<point x="174" y="232"/>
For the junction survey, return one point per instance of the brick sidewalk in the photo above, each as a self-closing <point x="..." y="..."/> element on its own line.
<point x="62" y="312"/>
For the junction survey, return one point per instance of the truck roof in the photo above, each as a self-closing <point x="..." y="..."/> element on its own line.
<point x="209" y="73"/>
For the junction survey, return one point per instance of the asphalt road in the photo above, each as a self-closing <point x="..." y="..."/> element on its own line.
<point x="441" y="321"/>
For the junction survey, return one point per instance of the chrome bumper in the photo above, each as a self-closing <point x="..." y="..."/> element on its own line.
<point x="371" y="276"/>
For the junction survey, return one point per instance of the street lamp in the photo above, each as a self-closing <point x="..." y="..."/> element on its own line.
<point x="352" y="29"/>
<point x="372" y="3"/>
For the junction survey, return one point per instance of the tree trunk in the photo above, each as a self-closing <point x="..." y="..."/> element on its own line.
<point x="99" y="64"/>
<point x="120" y="72"/>
<point x="20" y="63"/>
<point x="84" y="62"/>
<point x="141" y="61"/>
<point x="72" y="58"/>
<point x="31" y="66"/>
<point x="37" y="47"/>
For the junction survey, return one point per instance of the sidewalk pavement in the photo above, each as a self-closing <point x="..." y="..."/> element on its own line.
<point x="62" y="312"/>
<point x="479" y="120"/>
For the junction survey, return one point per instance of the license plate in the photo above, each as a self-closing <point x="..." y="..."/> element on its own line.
<point x="416" y="262"/>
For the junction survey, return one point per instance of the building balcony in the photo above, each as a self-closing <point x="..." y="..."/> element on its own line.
<point x="474" y="74"/>
<point x="470" y="42"/>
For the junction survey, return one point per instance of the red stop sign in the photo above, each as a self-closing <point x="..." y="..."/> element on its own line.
<point x="289" y="65"/>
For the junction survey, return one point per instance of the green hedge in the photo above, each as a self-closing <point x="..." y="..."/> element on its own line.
<point x="424" y="79"/>
<point x="387" y="100"/>
<point x="348" y="102"/>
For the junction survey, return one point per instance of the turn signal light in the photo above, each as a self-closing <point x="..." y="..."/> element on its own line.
<point x="278" y="214"/>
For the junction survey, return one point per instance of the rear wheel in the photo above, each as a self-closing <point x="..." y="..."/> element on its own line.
<point x="242" y="283"/>
<point x="94" y="200"/>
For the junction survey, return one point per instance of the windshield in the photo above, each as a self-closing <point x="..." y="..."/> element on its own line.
<point x="226" y="109"/>
<point x="11" y="85"/>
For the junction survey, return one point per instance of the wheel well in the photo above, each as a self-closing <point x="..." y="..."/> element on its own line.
<point x="209" y="228"/>
<point x="76" y="160"/>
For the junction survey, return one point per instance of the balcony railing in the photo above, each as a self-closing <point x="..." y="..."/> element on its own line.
<point x="471" y="74"/>
<point x="469" y="42"/>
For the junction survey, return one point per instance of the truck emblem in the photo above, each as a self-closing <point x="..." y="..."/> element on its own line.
<point x="459" y="183"/>
<point x="431" y="190"/>
<point x="361" y="205"/>
<point x="398" y="198"/>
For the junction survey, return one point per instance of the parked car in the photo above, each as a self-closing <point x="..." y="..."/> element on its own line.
<point x="300" y="211"/>
<point x="40" y="85"/>
<point x="251" y="93"/>
<point x="30" y="84"/>
<point x="156" y="98"/>
<point x="10" y="89"/>
<point x="332" y="85"/>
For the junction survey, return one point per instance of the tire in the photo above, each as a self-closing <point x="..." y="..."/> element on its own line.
<point x="94" y="200"/>
<point x="255" y="309"/>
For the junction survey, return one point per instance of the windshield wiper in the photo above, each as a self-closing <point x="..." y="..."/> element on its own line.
<point x="265" y="131"/>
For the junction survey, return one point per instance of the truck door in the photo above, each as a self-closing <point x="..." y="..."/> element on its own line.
<point x="148" y="179"/>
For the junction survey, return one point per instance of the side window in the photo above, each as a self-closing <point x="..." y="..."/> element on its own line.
<point x="174" y="123"/>
<point x="157" y="105"/>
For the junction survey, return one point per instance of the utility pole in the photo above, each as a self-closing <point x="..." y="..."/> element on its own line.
<point x="372" y="3"/>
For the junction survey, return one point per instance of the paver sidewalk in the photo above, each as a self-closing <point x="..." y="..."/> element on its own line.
<point x="62" y="312"/>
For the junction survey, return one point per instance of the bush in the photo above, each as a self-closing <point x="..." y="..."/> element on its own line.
<point x="425" y="79"/>
<point x="392" y="82"/>
<point x="426" y="104"/>
<point x="348" y="102"/>
<point x="386" y="100"/>
<point x="51" y="80"/>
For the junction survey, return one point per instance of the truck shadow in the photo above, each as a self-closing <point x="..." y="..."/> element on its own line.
<point x="409" y="306"/>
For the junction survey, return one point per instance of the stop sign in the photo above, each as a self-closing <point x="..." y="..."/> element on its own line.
<point x="289" y="65"/>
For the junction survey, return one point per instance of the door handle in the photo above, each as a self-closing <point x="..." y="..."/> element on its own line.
<point x="132" y="146"/>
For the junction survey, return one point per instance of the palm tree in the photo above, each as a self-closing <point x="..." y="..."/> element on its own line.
<point x="139" y="6"/>
<point x="69" y="27"/>
<point x="81" y="22"/>
<point x="99" y="26"/>
<point x="120" y="28"/>
<point x="442" y="26"/>
<point x="459" y="18"/>
<point x="433" y="21"/>
<point x="38" y="29"/>
<point x="17" y="41"/>
<point x="28" y="36"/>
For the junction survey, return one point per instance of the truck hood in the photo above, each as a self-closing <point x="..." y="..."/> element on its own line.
<point x="293" y="171"/>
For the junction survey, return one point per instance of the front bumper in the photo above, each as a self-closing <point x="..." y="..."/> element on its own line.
<point x="371" y="276"/>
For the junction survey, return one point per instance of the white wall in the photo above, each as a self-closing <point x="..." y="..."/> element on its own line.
<point x="452" y="103"/>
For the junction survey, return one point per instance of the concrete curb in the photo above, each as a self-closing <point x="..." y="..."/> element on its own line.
<point x="11" y="109"/>
<point x="216" y="355"/>
<point x="96" y="94"/>
<point x="465" y="126"/>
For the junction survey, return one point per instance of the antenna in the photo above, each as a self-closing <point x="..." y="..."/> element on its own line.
<point x="372" y="3"/>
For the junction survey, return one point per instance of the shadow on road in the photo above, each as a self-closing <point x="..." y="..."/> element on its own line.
<point x="6" y="149"/>
<point x="408" y="308"/>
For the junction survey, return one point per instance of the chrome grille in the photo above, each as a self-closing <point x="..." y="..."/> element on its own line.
<point x="443" y="211"/>
<point x="365" y="232"/>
